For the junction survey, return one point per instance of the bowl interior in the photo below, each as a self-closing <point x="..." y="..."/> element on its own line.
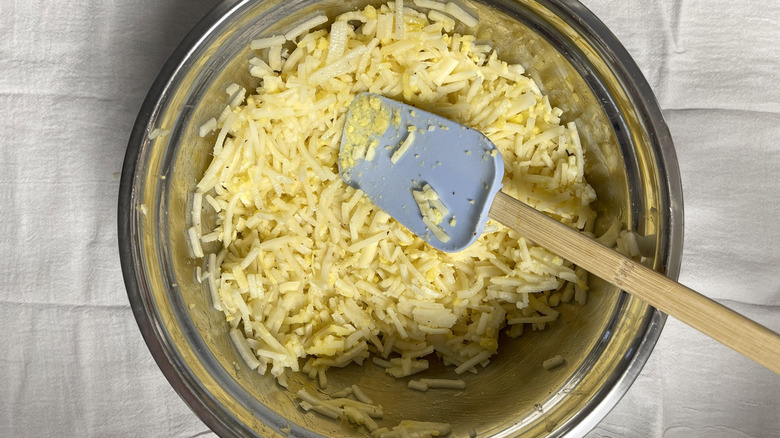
<point x="604" y="342"/>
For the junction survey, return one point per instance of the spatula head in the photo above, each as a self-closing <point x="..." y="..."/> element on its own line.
<point x="404" y="158"/>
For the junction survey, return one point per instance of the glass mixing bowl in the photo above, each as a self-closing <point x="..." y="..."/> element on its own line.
<point x="630" y="162"/>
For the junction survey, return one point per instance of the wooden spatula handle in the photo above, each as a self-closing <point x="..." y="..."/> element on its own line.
<point x="720" y="323"/>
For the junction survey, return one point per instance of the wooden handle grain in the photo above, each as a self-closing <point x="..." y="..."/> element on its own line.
<point x="715" y="320"/>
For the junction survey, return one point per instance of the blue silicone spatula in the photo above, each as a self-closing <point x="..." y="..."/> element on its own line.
<point x="442" y="181"/>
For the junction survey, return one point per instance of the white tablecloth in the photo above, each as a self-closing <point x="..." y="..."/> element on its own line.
<point x="72" y="78"/>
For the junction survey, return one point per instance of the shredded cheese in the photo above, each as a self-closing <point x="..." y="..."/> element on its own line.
<point x="553" y="362"/>
<point x="404" y="146"/>
<point x="305" y="27"/>
<point x="158" y="132"/>
<point x="425" y="384"/>
<point x="431" y="207"/>
<point x="208" y="127"/>
<point x="311" y="275"/>
<point x="264" y="43"/>
<point x="430" y="4"/>
<point x="460" y="14"/>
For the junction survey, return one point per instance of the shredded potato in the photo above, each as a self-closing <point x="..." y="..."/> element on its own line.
<point x="306" y="268"/>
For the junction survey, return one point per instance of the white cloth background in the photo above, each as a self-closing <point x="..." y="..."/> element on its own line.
<point x="73" y="76"/>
